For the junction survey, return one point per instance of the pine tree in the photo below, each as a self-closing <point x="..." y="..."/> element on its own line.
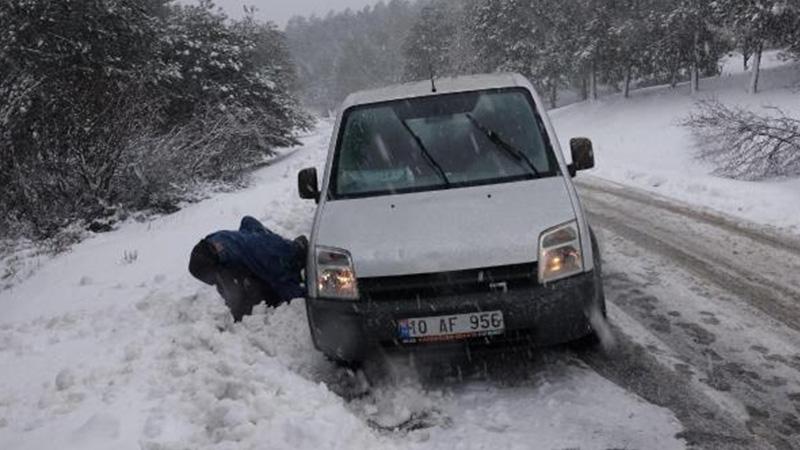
<point x="634" y="36"/>
<point x="427" y="45"/>
<point x="690" y="38"/>
<point x="349" y="51"/>
<point x="790" y="34"/>
<point x="755" y="23"/>
<point x="593" y="43"/>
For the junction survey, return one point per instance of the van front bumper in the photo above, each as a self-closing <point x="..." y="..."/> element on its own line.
<point x="537" y="315"/>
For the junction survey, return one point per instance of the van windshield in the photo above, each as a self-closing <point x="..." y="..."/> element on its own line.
<point x="441" y="142"/>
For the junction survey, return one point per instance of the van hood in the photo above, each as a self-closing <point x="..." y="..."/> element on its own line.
<point x="445" y="230"/>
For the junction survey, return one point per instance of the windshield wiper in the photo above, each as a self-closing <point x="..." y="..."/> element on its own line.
<point x="498" y="142"/>
<point x="427" y="154"/>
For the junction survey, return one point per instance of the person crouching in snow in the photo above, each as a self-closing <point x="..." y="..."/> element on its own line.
<point x="250" y="266"/>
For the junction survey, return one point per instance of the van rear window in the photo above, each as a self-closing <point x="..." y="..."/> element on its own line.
<point x="441" y="142"/>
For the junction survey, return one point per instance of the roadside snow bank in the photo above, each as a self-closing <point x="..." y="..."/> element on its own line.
<point x="113" y="345"/>
<point x="639" y="141"/>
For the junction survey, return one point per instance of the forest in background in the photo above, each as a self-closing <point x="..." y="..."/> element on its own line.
<point x="576" y="46"/>
<point x="111" y="107"/>
<point x="114" y="106"/>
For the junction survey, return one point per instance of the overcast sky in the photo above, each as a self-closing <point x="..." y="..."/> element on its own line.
<point x="279" y="11"/>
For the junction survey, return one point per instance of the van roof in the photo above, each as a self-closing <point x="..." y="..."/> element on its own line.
<point x="443" y="86"/>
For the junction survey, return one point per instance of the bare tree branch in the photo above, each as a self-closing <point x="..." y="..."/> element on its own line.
<point x="745" y="145"/>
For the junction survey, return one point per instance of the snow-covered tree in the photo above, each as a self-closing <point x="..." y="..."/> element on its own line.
<point x="791" y="32"/>
<point x="93" y="94"/>
<point x="241" y="70"/>
<point x="71" y="70"/>
<point x="689" y="40"/>
<point x="593" y="43"/>
<point x="348" y="51"/>
<point x="427" y="45"/>
<point x="634" y="37"/>
<point x="529" y="37"/>
<point x="755" y="23"/>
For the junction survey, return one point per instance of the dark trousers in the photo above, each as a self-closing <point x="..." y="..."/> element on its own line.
<point x="240" y="288"/>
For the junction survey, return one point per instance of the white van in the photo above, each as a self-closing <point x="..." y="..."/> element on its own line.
<point x="448" y="213"/>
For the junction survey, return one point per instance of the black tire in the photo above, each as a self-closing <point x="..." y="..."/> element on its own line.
<point x="349" y="383"/>
<point x="343" y="364"/>
<point x="587" y="343"/>
<point x="598" y="273"/>
<point x="592" y="340"/>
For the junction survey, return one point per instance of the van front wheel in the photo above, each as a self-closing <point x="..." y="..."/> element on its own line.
<point x="597" y="310"/>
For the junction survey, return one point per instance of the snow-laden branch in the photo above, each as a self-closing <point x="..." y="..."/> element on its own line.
<point x="745" y="145"/>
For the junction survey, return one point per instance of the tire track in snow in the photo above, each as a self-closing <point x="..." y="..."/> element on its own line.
<point x="714" y="317"/>
<point x="633" y="367"/>
<point x="773" y="237"/>
<point x="774" y="293"/>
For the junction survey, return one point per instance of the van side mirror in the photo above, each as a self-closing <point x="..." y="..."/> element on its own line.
<point x="307" y="184"/>
<point x="582" y="155"/>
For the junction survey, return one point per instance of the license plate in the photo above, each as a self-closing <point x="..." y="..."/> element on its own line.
<point x="448" y="328"/>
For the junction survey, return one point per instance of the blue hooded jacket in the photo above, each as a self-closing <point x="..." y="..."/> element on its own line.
<point x="273" y="259"/>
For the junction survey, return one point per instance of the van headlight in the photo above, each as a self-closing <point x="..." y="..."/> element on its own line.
<point x="560" y="253"/>
<point x="336" y="277"/>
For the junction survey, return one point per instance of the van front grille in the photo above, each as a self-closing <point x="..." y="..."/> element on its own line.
<point x="432" y="285"/>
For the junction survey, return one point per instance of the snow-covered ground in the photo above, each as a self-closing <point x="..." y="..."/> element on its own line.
<point x="113" y="345"/>
<point x="639" y="141"/>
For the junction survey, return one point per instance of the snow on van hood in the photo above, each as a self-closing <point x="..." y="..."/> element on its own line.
<point x="445" y="230"/>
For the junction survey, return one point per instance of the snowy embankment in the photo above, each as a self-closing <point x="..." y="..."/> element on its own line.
<point x="113" y="345"/>
<point x="639" y="141"/>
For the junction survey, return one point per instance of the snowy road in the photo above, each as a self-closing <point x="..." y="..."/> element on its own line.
<point x="718" y="304"/>
<point x="101" y="349"/>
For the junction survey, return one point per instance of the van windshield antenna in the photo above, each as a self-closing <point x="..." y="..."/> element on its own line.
<point x="433" y="78"/>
